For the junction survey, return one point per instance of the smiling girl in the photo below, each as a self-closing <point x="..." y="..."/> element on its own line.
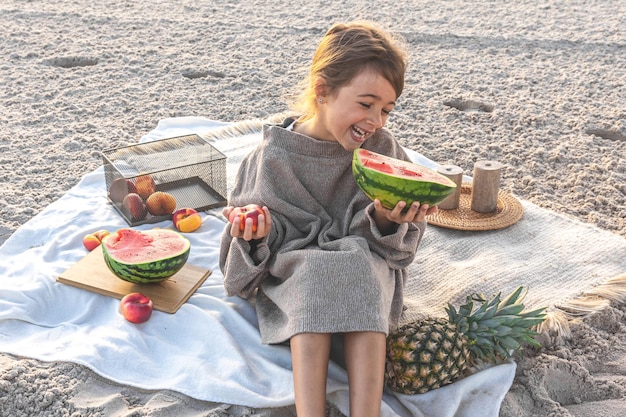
<point x="326" y="263"/>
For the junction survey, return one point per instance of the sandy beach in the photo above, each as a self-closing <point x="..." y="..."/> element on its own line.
<point x="539" y="87"/>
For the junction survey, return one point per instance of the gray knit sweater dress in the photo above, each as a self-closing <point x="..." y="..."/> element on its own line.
<point x="324" y="267"/>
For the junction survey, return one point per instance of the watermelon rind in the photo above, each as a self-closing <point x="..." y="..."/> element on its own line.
<point x="391" y="189"/>
<point x="153" y="271"/>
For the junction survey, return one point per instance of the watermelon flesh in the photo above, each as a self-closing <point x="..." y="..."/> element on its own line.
<point x="392" y="180"/>
<point x="145" y="256"/>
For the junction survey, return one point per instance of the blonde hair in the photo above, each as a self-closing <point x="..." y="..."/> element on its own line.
<point x="345" y="51"/>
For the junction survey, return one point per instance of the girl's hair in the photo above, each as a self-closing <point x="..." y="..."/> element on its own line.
<point x="344" y="52"/>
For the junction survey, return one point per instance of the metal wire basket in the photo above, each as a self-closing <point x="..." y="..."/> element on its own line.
<point x="186" y="167"/>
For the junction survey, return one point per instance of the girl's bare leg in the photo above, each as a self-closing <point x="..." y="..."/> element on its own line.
<point x="365" y="361"/>
<point x="309" y="354"/>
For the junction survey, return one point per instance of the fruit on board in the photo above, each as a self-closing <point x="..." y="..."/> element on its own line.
<point x="161" y="203"/>
<point x="145" y="186"/>
<point x="93" y="240"/>
<point x="136" y="307"/>
<point x="120" y="187"/>
<point x="145" y="256"/>
<point x="392" y="180"/>
<point x="134" y="208"/>
<point x="433" y="352"/>
<point x="186" y="220"/>
<point x="250" y="211"/>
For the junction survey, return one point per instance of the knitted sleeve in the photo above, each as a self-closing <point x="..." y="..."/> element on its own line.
<point x="244" y="264"/>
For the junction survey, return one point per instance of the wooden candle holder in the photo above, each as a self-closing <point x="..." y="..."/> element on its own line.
<point x="455" y="173"/>
<point x="486" y="186"/>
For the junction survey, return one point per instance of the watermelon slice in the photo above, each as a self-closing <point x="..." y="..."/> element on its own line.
<point x="145" y="256"/>
<point x="392" y="180"/>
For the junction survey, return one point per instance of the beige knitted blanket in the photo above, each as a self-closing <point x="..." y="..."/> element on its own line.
<point x="570" y="267"/>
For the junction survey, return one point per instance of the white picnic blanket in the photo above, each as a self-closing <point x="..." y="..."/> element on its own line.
<point x="210" y="349"/>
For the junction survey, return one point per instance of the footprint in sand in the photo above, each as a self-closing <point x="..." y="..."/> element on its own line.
<point x="607" y="134"/>
<point x="195" y="73"/>
<point x="71" y="61"/>
<point x="469" y="105"/>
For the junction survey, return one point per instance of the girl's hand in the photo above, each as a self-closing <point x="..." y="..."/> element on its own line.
<point x="262" y="222"/>
<point x="415" y="214"/>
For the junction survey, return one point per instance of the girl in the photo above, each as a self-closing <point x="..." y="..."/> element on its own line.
<point x="325" y="260"/>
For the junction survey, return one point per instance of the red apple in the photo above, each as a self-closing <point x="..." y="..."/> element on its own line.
<point x="145" y="186"/>
<point x="161" y="203"/>
<point x="93" y="240"/>
<point x="186" y="220"/>
<point x="134" y="207"/>
<point x="250" y="211"/>
<point x="136" y="307"/>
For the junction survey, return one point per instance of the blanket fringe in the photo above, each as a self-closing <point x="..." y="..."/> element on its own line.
<point x="243" y="127"/>
<point x="596" y="299"/>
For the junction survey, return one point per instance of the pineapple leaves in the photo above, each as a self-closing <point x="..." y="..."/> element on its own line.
<point x="496" y="326"/>
<point x="513" y="309"/>
<point x="513" y="297"/>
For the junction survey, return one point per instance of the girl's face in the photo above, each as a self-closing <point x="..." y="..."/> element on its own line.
<point x="352" y="113"/>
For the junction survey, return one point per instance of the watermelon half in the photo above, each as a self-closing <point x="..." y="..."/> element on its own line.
<point x="145" y="256"/>
<point x="392" y="180"/>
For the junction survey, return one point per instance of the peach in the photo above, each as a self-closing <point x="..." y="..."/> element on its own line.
<point x="145" y="186"/>
<point x="93" y="240"/>
<point x="186" y="220"/>
<point x="250" y="211"/>
<point x="133" y="207"/>
<point x="161" y="203"/>
<point x="136" y="307"/>
<point x="120" y="187"/>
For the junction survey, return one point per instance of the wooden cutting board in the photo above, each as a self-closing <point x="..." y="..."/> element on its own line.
<point x="91" y="274"/>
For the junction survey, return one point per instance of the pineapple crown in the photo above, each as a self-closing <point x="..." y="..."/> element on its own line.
<point x="496" y="327"/>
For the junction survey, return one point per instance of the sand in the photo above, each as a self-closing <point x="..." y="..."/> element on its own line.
<point x="538" y="86"/>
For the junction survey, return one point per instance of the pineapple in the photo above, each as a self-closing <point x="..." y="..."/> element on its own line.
<point x="434" y="352"/>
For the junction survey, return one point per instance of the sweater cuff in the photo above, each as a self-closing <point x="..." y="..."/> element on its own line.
<point x="259" y="251"/>
<point x="399" y="228"/>
<point x="404" y="234"/>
